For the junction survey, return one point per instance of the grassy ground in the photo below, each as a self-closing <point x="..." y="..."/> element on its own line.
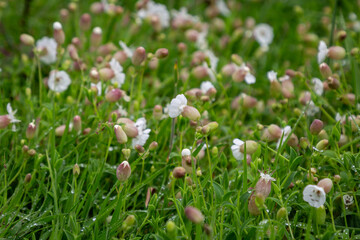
<point x="64" y="183"/>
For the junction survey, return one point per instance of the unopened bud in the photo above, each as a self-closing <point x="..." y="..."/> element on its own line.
<point x="129" y="221"/>
<point x="337" y="178"/>
<point x="59" y="34"/>
<point x="128" y="127"/>
<point x="336" y="52"/>
<point x="73" y="52"/>
<point x="106" y="73"/>
<point x="32" y="152"/>
<point x="123" y="171"/>
<point x="30" y="131"/>
<point x="323" y="134"/>
<point x="210" y="127"/>
<point x="200" y="72"/>
<point x="153" y="146"/>
<point x="354" y="52"/>
<point x="171" y="227"/>
<point x="77" y="123"/>
<point x="325" y="70"/>
<point x="179" y="172"/>
<point x="120" y="134"/>
<point x="140" y="149"/>
<point x="27" y="39"/>
<point x="228" y="69"/>
<point x="251" y="147"/>
<point x="322" y="144"/>
<point x="25" y="148"/>
<point x="304" y="143"/>
<point x="182" y="47"/>
<point x="348" y="99"/>
<point x="28" y="178"/>
<point x="194" y="215"/>
<point x="326" y="184"/>
<point x="320" y="215"/>
<point x="96" y="37"/>
<point x="85" y="22"/>
<point x="126" y="153"/>
<point x="252" y="207"/>
<point x="191" y="113"/>
<point x="161" y="53"/>
<point x="333" y="82"/>
<point x="281" y="213"/>
<point x="59" y="131"/>
<point x="305" y="97"/>
<point x="113" y="95"/>
<point x="316" y="126"/>
<point x="138" y="56"/>
<point x="76" y="170"/>
<point x="157" y="112"/>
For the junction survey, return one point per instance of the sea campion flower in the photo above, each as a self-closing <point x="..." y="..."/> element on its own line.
<point x="194" y="215"/>
<point x="123" y="171"/>
<point x="264" y="35"/>
<point x="223" y="9"/>
<point x="286" y="131"/>
<point x="238" y="155"/>
<point x="322" y="52"/>
<point x="263" y="185"/>
<point x="272" y="76"/>
<point x="47" y="48"/>
<point x="348" y="200"/>
<point x="5" y="120"/>
<point x="177" y="106"/>
<point x="58" y="81"/>
<point x="318" y="86"/>
<point x="128" y="51"/>
<point x="245" y="74"/>
<point x="182" y="18"/>
<point x="155" y="9"/>
<point x="312" y="109"/>
<point x="143" y="133"/>
<point x="119" y="77"/>
<point x="206" y="86"/>
<point x="314" y="195"/>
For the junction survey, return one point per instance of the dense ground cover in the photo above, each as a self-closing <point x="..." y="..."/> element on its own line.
<point x="179" y="119"/>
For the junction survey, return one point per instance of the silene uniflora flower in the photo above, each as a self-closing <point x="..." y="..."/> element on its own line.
<point x="322" y="52"/>
<point x="318" y="86"/>
<point x="286" y="132"/>
<point x="263" y="185"/>
<point x="10" y="118"/>
<point x="119" y="77"/>
<point x="128" y="51"/>
<point x="249" y="78"/>
<point x="264" y="34"/>
<point x="143" y="133"/>
<point x="272" y="76"/>
<point x="312" y="109"/>
<point x="155" y="9"/>
<point x="206" y="86"/>
<point x="314" y="195"/>
<point x="348" y="200"/>
<point x="58" y="81"/>
<point x="183" y="18"/>
<point x="47" y="47"/>
<point x="238" y="155"/>
<point x="209" y="71"/>
<point x="223" y="9"/>
<point x="177" y="105"/>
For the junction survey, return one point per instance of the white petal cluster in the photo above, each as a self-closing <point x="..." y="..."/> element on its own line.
<point x="119" y="77"/>
<point x="58" y="81"/>
<point x="177" y="105"/>
<point x="143" y="133"/>
<point x="249" y="78"/>
<point x="272" y="76"/>
<point x="318" y="86"/>
<point x="314" y="195"/>
<point x="206" y="86"/>
<point x="184" y="15"/>
<point x="49" y="45"/>
<point x="185" y="152"/>
<point x="264" y="34"/>
<point x="11" y="116"/>
<point x="128" y="51"/>
<point x="312" y="109"/>
<point x="236" y="149"/>
<point x="223" y="9"/>
<point x="155" y="9"/>
<point x="267" y="177"/>
<point x="322" y="52"/>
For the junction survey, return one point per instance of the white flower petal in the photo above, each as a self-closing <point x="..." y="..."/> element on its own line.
<point x="314" y="195"/>
<point x="264" y="34"/>
<point x="249" y="78"/>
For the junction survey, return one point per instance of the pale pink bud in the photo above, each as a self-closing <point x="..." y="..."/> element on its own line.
<point x="59" y="34"/>
<point x="140" y="149"/>
<point x="194" y="215"/>
<point x="192" y="35"/>
<point x="27" y="39"/>
<point x="76" y="42"/>
<point x="94" y="75"/>
<point x="85" y="22"/>
<point x="251" y="147"/>
<point x="64" y="15"/>
<point x="28" y="178"/>
<point x="182" y="47"/>
<point x="200" y="72"/>
<point x="123" y="171"/>
<point x="97" y="8"/>
<point x="316" y="126"/>
<point x="336" y="52"/>
<point x="305" y="97"/>
<point x="333" y="82"/>
<point x="153" y="146"/>
<point x="288" y="89"/>
<point x="191" y="113"/>
<point x="348" y="99"/>
<point x="325" y="70"/>
<point x="113" y="95"/>
<point x="179" y="172"/>
<point x="153" y="63"/>
<point x="86" y="131"/>
<point x="106" y="49"/>
<point x="248" y="101"/>
<point x="96" y="37"/>
<point x="106" y="74"/>
<point x="293" y="140"/>
<point x="157" y="112"/>
<point x="59" y="131"/>
<point x="73" y="52"/>
<point x="263" y="186"/>
<point x="120" y="56"/>
<point x="30" y="131"/>
<point x="326" y="184"/>
<point x="161" y="53"/>
<point x="76" y="170"/>
<point x="77" y="123"/>
<point x="128" y="127"/>
<point x="252" y="207"/>
<point x="120" y="134"/>
<point x="187" y="162"/>
<point x="228" y="69"/>
<point x="343" y="140"/>
<point x="239" y="75"/>
<point x="139" y="56"/>
<point x="4" y="121"/>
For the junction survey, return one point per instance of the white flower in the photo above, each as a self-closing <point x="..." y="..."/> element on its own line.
<point x="236" y="149"/>
<point x="11" y="116"/>
<point x="184" y="15"/>
<point x="213" y="59"/>
<point x="338" y="117"/>
<point x="209" y="71"/>
<point x="143" y="133"/>
<point x="272" y="76"/>
<point x="266" y="177"/>
<point x="122" y="110"/>
<point x="185" y="152"/>
<point x="119" y="77"/>
<point x="318" y="86"/>
<point x="314" y="195"/>
<point x="312" y="109"/>
<point x="155" y="9"/>
<point x="201" y="41"/>
<point x="286" y="131"/>
<point x="223" y="9"/>
<point x="177" y="105"/>
<point x="348" y="200"/>
<point x="128" y="51"/>
<point x="249" y="78"/>
<point x="47" y="46"/>
<point x="206" y="86"/>
<point x="322" y="52"/>
<point x="58" y="81"/>
<point x="264" y="34"/>
<point x="98" y="86"/>
<point x="284" y="78"/>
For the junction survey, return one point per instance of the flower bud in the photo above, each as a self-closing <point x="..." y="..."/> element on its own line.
<point x="281" y="213"/>
<point x="316" y="126"/>
<point x="179" y="172"/>
<point x="322" y="144"/>
<point x="96" y="37"/>
<point x="85" y="22"/>
<point x="157" y="112"/>
<point x="120" y="134"/>
<point x="251" y="147"/>
<point x="27" y="39"/>
<point x="325" y="70"/>
<point x="59" y="34"/>
<point x="123" y="171"/>
<point x="263" y="185"/>
<point x="239" y="75"/>
<point x="94" y="75"/>
<point x="191" y="113"/>
<point x="126" y="153"/>
<point x="348" y="99"/>
<point x="97" y="8"/>
<point x="305" y="97"/>
<point x="138" y="56"/>
<point x="326" y="184"/>
<point x="73" y="52"/>
<point x="153" y="146"/>
<point x="106" y="73"/>
<point x="210" y="127"/>
<point x="171" y="227"/>
<point x="228" y="70"/>
<point x="323" y="134"/>
<point x="337" y="178"/>
<point x="140" y="149"/>
<point x="129" y="221"/>
<point x="333" y="82"/>
<point x="343" y="140"/>
<point x="27" y="178"/>
<point x="59" y="131"/>
<point x="30" y="131"/>
<point x="161" y="53"/>
<point x="287" y="89"/>
<point x="113" y="95"/>
<point x="304" y="143"/>
<point x="128" y="127"/>
<point x="25" y="148"/>
<point x="77" y="123"/>
<point x="320" y="215"/>
<point x="336" y="52"/>
<point x="76" y="170"/>
<point x="64" y="15"/>
<point x="191" y="35"/>
<point x="252" y="207"/>
<point x="200" y="72"/>
<point x="354" y="51"/>
<point x="194" y="215"/>
<point x="181" y="47"/>
<point x="32" y="152"/>
<point x="86" y="131"/>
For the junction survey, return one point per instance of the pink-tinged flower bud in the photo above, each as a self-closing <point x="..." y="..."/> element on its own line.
<point x="153" y="146"/>
<point x="354" y="52"/>
<point x="193" y="94"/>
<point x="106" y="74"/>
<point x="86" y="131"/>
<point x="316" y="126"/>
<point x="140" y="149"/>
<point x="341" y="35"/>
<point x="194" y="215"/>
<point x="59" y="131"/>
<point x="64" y="15"/>
<point x="96" y="37"/>
<point x="210" y="127"/>
<point x="77" y="123"/>
<point x="288" y="89"/>
<point x="121" y="57"/>
<point x="139" y="56"/>
<point x="191" y="113"/>
<point x="123" y="171"/>
<point x="73" y="52"/>
<point x="94" y="75"/>
<point x="181" y="47"/>
<point x="343" y="140"/>
<point x="25" y="148"/>
<point x="161" y="53"/>
<point x="348" y="99"/>
<point x="27" y="39"/>
<point x="200" y="72"/>
<point x="326" y="184"/>
<point x="4" y="121"/>
<point x="30" y="131"/>
<point x="251" y="147"/>
<point x="128" y="127"/>
<point x="336" y="52"/>
<point x="337" y="178"/>
<point x="323" y="134"/>
<point x="228" y="69"/>
<point x="157" y="112"/>
<point x="59" y="34"/>
<point x="272" y="133"/>
<point x="32" y="152"/>
<point x="27" y="178"/>
<point x="325" y="70"/>
<point x="275" y="87"/>
<point x="248" y="101"/>
<point x="293" y="141"/>
<point x="239" y="75"/>
<point x="191" y="35"/>
<point x="150" y="191"/>
<point x="72" y="6"/>
<point x="179" y="172"/>
<point x="85" y="22"/>
<point x="76" y="170"/>
<point x="97" y="8"/>
<point x="322" y="144"/>
<point x="333" y="82"/>
<point x="153" y="63"/>
<point x="106" y="49"/>
<point x="120" y="134"/>
<point x="252" y="207"/>
<point x="281" y="213"/>
<point x="113" y="95"/>
<point x="305" y="97"/>
<point x="263" y="186"/>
